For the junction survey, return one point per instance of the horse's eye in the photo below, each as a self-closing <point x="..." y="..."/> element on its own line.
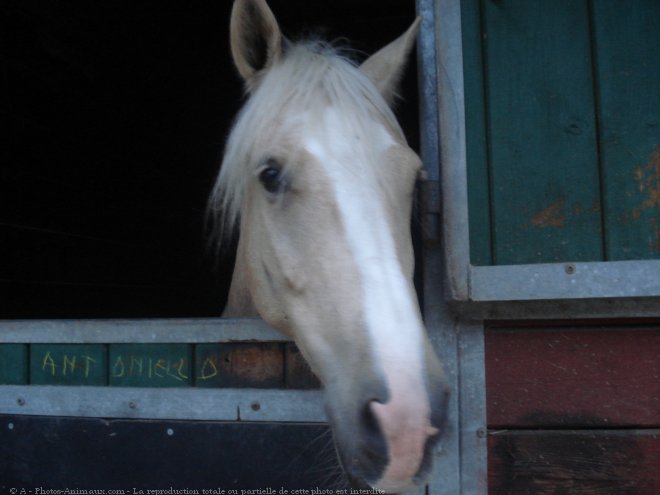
<point x="272" y="177"/>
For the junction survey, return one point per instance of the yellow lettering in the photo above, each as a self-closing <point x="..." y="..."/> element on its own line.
<point x="180" y="369"/>
<point x="119" y="368"/>
<point x="209" y="369"/>
<point x="68" y="363"/>
<point x="168" y="369"/>
<point x="136" y="364"/>
<point x="178" y="366"/>
<point x="49" y="363"/>
<point x="88" y="364"/>
<point x="160" y="365"/>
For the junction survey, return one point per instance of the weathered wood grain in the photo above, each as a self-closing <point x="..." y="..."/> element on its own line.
<point x="541" y="132"/>
<point x="479" y="197"/>
<point x="239" y="365"/>
<point x="13" y="364"/>
<point x="627" y="57"/>
<point x="566" y="377"/>
<point x="596" y="462"/>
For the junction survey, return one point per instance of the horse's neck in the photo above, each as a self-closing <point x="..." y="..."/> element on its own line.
<point x="239" y="302"/>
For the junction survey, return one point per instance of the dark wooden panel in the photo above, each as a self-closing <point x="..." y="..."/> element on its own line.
<point x="541" y="132"/>
<point x="73" y="364"/>
<point x="239" y="365"/>
<point x="13" y="364"/>
<point x="574" y="462"/>
<point x="95" y="454"/>
<point x="151" y="365"/>
<point x="573" y="377"/>
<point x="627" y="44"/>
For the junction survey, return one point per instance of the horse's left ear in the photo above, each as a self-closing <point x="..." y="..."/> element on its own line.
<point x="385" y="67"/>
<point x="256" y="39"/>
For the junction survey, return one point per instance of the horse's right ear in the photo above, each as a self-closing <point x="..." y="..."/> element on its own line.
<point x="256" y="39"/>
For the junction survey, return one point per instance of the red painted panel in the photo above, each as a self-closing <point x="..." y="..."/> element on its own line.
<point x="573" y="377"/>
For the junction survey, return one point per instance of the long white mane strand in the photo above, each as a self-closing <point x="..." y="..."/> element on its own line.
<point x="311" y="76"/>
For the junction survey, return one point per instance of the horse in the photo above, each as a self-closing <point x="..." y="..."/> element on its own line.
<point x="319" y="181"/>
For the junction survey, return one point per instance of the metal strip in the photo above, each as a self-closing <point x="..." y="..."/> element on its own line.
<point x="566" y="281"/>
<point x="472" y="408"/>
<point x="451" y="111"/>
<point x="428" y="90"/>
<point x="444" y="479"/>
<point x="164" y="403"/>
<point x="183" y="331"/>
<point x="560" y="309"/>
<point x="446" y="476"/>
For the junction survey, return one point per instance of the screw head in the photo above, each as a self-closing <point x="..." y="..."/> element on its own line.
<point x="132" y="404"/>
<point x="255" y="406"/>
<point x="20" y="401"/>
<point x="569" y="269"/>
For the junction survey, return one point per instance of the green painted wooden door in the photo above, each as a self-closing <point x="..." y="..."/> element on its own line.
<point x="563" y="129"/>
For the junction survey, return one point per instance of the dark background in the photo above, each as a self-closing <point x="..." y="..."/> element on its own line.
<point x="113" y="117"/>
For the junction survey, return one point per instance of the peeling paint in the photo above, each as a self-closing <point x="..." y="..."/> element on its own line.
<point x="648" y="183"/>
<point x="551" y="216"/>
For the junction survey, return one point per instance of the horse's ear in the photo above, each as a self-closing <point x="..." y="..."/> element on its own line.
<point x="385" y="67"/>
<point x="256" y="39"/>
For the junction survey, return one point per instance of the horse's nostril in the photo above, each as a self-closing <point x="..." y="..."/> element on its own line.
<point x="374" y="446"/>
<point x="369" y="421"/>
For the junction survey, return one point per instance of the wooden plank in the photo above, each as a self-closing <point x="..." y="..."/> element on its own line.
<point x="73" y="364"/>
<point x="151" y="365"/>
<point x="573" y="378"/>
<point x="541" y="132"/>
<point x="627" y="51"/>
<point x="297" y="372"/>
<point x="239" y="365"/>
<point x="476" y="135"/>
<point x="577" y="462"/>
<point x="13" y="364"/>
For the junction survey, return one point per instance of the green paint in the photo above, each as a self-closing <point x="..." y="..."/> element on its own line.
<point x="150" y="365"/>
<point x="68" y="364"/>
<point x="563" y="130"/>
<point x="541" y="130"/>
<point x="627" y="47"/>
<point x="477" y="149"/>
<point x="13" y="364"/>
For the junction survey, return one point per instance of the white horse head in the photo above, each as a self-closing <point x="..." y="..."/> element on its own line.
<point x="318" y="174"/>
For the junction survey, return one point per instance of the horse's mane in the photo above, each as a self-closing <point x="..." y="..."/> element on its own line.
<point x="310" y="76"/>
